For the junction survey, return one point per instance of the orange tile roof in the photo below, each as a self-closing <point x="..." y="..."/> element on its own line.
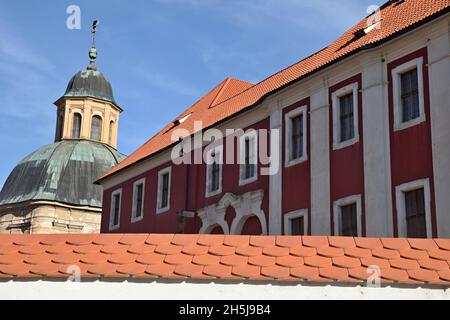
<point x="233" y="96"/>
<point x="209" y="257"/>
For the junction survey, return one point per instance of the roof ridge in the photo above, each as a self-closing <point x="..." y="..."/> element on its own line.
<point x="226" y="82"/>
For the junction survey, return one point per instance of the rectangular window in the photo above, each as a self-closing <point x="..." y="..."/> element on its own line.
<point x="248" y="158"/>
<point x="164" y="190"/>
<point x="114" y="219"/>
<point x="345" y="109"/>
<point x="410" y="95"/>
<point x="214" y="172"/>
<point x="138" y="200"/>
<point x="346" y="117"/>
<point x="349" y="221"/>
<point x="298" y="226"/>
<point x="415" y="213"/>
<point x="297" y="137"/>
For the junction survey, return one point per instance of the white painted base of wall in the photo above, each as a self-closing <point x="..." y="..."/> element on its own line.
<point x="44" y="289"/>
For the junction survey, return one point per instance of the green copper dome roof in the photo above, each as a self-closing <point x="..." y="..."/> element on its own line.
<point x="90" y="83"/>
<point x="64" y="171"/>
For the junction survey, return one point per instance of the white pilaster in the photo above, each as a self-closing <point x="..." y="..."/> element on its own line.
<point x="275" y="180"/>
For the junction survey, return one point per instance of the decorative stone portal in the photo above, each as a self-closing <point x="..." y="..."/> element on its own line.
<point x="246" y="205"/>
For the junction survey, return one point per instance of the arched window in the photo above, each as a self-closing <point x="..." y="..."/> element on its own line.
<point x="96" y="128"/>
<point x="111" y="131"/>
<point x="76" y="126"/>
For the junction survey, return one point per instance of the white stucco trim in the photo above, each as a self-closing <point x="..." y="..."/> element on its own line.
<point x="159" y="208"/>
<point x="218" y="151"/>
<point x="396" y="91"/>
<point x="351" y="88"/>
<point x="400" y="202"/>
<point x="217" y="290"/>
<point x="111" y="210"/>
<point x="252" y="135"/>
<point x="134" y="218"/>
<point x="288" y="134"/>
<point x="288" y="217"/>
<point x="337" y="212"/>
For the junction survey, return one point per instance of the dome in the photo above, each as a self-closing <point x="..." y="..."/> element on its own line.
<point x="90" y="83"/>
<point x="64" y="172"/>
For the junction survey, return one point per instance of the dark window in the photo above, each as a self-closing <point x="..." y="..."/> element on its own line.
<point x="96" y="128"/>
<point x="116" y="209"/>
<point x="249" y="165"/>
<point x="415" y="214"/>
<point x="76" y="126"/>
<point x="298" y="226"/>
<point x="165" y="190"/>
<point x="349" y="221"/>
<point x="139" y="189"/>
<point x="410" y="95"/>
<point x="215" y="174"/>
<point x="297" y="137"/>
<point x="111" y="132"/>
<point x="346" y="117"/>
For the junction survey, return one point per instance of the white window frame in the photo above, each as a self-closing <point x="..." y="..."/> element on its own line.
<point x="218" y="151"/>
<point x="134" y="218"/>
<point x="397" y="93"/>
<point x="303" y="110"/>
<point x="288" y="217"/>
<point x="401" y="208"/>
<point x="252" y="135"/>
<point x="160" y="209"/>
<point x="335" y="97"/>
<point x="337" y="213"/>
<point x="111" y="210"/>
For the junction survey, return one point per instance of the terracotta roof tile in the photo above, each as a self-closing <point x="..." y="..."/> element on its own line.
<point x="312" y="259"/>
<point x="232" y="96"/>
<point x="150" y="258"/>
<point x="444" y="244"/>
<point x="132" y="269"/>
<point x="318" y="261"/>
<point x="368" y="243"/>
<point x="276" y="251"/>
<point x="346" y="262"/>
<point x="168" y="249"/>
<point x="330" y="252"/>
<point x="288" y="241"/>
<point x="275" y="272"/>
<point x="222" y="250"/>
<point x="290" y="261"/>
<point x="302" y="251"/>
<point x="315" y="242"/>
<point x="133" y="239"/>
<point x="178" y="259"/>
<point x="358" y="252"/>
<point x="234" y="260"/>
<point x="262" y="241"/>
<point x="159" y="239"/>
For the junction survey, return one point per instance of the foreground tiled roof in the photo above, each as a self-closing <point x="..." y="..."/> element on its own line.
<point x="212" y="257"/>
<point x="397" y="17"/>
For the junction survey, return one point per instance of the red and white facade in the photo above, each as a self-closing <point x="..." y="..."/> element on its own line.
<point x="384" y="159"/>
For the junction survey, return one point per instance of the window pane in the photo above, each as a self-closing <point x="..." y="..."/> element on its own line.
<point x="249" y="169"/>
<point x="215" y="176"/>
<point x="298" y="226"/>
<point x="96" y="126"/>
<point x="415" y="214"/>
<point x="346" y="117"/>
<point x="349" y="222"/>
<point x="165" y="191"/>
<point x="116" y="206"/>
<point x="297" y="137"/>
<point x="139" y="199"/>
<point x="76" y="126"/>
<point x="410" y="95"/>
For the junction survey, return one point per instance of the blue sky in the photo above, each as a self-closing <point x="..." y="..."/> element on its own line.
<point x="159" y="55"/>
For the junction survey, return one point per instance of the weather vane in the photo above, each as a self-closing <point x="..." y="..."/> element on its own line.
<point x="93" y="50"/>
